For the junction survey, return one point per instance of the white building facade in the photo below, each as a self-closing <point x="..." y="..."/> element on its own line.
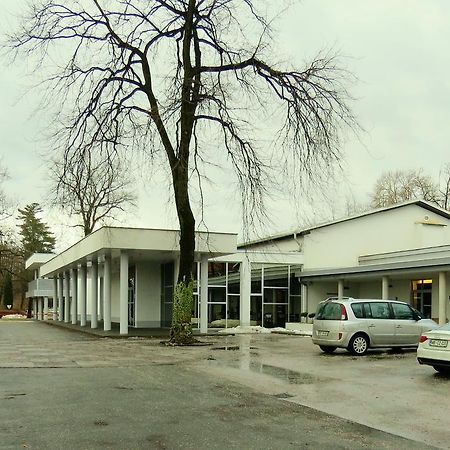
<point x="127" y="276"/>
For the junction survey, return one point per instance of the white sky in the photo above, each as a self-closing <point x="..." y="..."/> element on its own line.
<point x="398" y="50"/>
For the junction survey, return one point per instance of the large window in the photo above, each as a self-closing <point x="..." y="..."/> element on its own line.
<point x="223" y="295"/>
<point x="167" y="280"/>
<point x="275" y="295"/>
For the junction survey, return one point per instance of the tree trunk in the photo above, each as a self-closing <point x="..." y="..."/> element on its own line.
<point x="181" y="331"/>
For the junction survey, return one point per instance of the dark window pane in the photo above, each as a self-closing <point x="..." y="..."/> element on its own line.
<point x="255" y="309"/>
<point x="402" y="312"/>
<point x="216" y="313"/>
<point x="217" y="273"/>
<point x="274" y="316"/>
<point x="275" y="295"/>
<point x="216" y="295"/>
<point x="358" y="310"/>
<point x="329" y="311"/>
<point x="233" y="306"/>
<point x="380" y="310"/>
<point x="367" y="311"/>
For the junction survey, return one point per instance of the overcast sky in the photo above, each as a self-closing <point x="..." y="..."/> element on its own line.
<point x="398" y="51"/>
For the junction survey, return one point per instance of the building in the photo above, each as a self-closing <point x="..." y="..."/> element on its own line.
<point x="127" y="275"/>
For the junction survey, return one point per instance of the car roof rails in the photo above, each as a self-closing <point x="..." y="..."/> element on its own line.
<point x="329" y="299"/>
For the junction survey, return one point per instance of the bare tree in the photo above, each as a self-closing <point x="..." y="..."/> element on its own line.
<point x="444" y="187"/>
<point x="173" y="75"/>
<point x="91" y="188"/>
<point x="403" y="185"/>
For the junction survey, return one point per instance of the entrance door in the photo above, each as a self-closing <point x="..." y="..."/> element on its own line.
<point x="421" y="296"/>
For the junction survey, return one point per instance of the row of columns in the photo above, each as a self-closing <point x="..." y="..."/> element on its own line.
<point x="442" y="287"/>
<point x="70" y="295"/>
<point x="40" y="308"/>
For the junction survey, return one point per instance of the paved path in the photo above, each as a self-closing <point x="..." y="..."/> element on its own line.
<point x="61" y="389"/>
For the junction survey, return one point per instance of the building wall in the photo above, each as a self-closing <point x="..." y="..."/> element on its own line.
<point x="148" y="295"/>
<point x="115" y="294"/>
<point x="340" y="244"/>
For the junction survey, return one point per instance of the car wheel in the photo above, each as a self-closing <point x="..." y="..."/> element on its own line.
<point x="358" y="344"/>
<point x="327" y="348"/>
<point x="442" y="369"/>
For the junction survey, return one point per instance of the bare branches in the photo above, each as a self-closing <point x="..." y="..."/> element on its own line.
<point x="165" y="75"/>
<point x="90" y="188"/>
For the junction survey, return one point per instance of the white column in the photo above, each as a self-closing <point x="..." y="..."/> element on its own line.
<point x="66" y="296"/>
<point x="100" y="296"/>
<point x="123" y="293"/>
<point x="45" y="308"/>
<point x="107" y="295"/>
<point x="304" y="299"/>
<point x="73" y="288"/>
<point x="93" y="293"/>
<point x="385" y="288"/>
<point x="442" y="298"/>
<point x="340" y="289"/>
<point x="55" y="297"/>
<point x="82" y="294"/>
<point x="245" y="274"/>
<point x="40" y="308"/>
<point x="60" y="298"/>
<point x="204" y="295"/>
<point x="34" y="309"/>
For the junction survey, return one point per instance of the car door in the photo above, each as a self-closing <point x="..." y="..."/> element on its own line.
<point x="380" y="324"/>
<point x="407" y="329"/>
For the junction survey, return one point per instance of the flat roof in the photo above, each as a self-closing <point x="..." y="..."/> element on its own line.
<point x="143" y="243"/>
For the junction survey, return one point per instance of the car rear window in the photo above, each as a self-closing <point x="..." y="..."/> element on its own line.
<point x="329" y="311"/>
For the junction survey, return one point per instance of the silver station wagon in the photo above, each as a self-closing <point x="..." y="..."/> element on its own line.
<point x="360" y="324"/>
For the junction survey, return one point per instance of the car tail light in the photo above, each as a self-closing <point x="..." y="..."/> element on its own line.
<point x="343" y="313"/>
<point x="423" y="338"/>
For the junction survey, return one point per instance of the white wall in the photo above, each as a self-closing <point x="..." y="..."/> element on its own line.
<point x="115" y="293"/>
<point x="148" y="295"/>
<point x="340" y="244"/>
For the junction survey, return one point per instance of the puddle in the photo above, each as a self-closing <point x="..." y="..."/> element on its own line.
<point x="291" y="376"/>
<point x="283" y="395"/>
<point x="233" y="348"/>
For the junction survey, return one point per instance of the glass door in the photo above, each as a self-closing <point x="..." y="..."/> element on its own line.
<point x="421" y="296"/>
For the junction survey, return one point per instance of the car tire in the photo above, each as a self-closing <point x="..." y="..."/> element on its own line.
<point x="327" y="348"/>
<point x="442" y="369"/>
<point x="358" y="345"/>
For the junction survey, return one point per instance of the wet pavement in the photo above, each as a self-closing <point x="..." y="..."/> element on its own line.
<point x="66" y="389"/>
<point x="386" y="390"/>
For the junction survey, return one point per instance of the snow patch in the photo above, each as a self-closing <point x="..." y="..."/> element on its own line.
<point x="262" y="330"/>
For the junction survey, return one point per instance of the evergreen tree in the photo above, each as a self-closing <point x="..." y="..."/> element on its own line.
<point x="36" y="236"/>
<point x="8" y="296"/>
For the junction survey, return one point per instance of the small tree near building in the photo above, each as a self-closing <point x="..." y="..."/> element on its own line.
<point x="36" y="236"/>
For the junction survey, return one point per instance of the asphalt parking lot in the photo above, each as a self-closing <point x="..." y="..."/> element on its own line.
<point x="385" y="390"/>
<point x="61" y="389"/>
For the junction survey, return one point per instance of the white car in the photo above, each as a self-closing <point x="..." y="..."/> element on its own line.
<point x="360" y="324"/>
<point x="434" y="349"/>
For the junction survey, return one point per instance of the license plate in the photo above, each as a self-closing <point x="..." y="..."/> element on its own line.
<point x="322" y="333"/>
<point x="438" y="343"/>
